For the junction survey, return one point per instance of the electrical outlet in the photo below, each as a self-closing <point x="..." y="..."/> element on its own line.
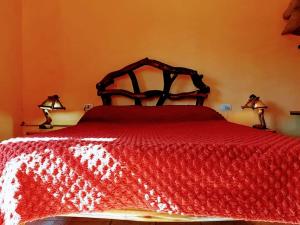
<point x="225" y="107"/>
<point x="87" y="107"/>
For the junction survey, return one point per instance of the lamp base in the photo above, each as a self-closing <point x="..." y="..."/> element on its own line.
<point x="259" y="126"/>
<point x="46" y="126"/>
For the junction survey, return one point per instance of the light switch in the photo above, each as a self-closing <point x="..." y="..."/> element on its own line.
<point x="225" y="107"/>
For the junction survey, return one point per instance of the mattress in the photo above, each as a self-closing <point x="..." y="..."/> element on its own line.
<point x="178" y="161"/>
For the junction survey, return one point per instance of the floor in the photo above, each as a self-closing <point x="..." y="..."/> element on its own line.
<point x="83" y="221"/>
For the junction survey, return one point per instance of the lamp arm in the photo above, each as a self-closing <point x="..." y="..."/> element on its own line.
<point x="261" y="115"/>
<point x="47" y="115"/>
<point x="47" y="124"/>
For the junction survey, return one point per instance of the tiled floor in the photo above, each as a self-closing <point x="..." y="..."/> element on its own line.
<point x="84" y="221"/>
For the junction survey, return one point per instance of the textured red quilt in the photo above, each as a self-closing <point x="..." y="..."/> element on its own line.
<point x="178" y="160"/>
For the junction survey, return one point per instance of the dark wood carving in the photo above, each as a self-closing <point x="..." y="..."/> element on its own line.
<point x="292" y="15"/>
<point x="170" y="73"/>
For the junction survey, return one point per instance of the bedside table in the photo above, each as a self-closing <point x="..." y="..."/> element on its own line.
<point x="30" y="129"/>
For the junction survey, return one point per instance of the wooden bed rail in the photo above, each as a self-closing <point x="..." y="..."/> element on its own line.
<point x="170" y="73"/>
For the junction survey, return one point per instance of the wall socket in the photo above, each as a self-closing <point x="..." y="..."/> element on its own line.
<point x="225" y="107"/>
<point x="87" y="107"/>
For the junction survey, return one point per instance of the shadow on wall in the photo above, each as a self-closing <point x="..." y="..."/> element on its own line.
<point x="294" y="125"/>
<point x="276" y="114"/>
<point x="6" y="126"/>
<point x="296" y="121"/>
<point x="214" y="98"/>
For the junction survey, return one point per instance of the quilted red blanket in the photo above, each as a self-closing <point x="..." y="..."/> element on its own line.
<point x="191" y="163"/>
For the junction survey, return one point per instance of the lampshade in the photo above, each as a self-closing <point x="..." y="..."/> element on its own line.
<point x="249" y="104"/>
<point x="254" y="103"/>
<point x="259" y="105"/>
<point x="52" y="102"/>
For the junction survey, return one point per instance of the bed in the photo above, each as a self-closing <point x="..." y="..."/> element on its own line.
<point x="151" y="163"/>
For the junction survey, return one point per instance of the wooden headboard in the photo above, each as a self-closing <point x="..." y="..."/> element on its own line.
<point x="169" y="73"/>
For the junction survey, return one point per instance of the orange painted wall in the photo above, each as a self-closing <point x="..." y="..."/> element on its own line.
<point x="10" y="68"/>
<point x="69" y="45"/>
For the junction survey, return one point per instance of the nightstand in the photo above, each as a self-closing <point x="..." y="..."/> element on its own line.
<point x="30" y="129"/>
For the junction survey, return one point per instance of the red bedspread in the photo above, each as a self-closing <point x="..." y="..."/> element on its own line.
<point x="194" y="167"/>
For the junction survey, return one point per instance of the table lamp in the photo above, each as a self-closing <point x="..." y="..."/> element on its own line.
<point x="51" y="103"/>
<point x="256" y="104"/>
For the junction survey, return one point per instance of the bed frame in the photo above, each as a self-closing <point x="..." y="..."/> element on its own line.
<point x="169" y="73"/>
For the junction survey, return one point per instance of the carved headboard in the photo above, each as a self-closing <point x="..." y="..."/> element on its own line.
<point x="169" y="73"/>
